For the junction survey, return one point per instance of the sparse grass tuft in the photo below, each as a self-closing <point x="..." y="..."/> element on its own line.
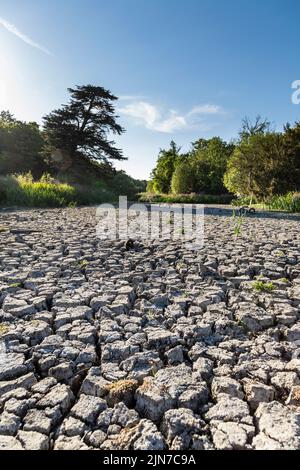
<point x="15" y="285"/>
<point x="123" y="386"/>
<point x="83" y="264"/>
<point x="3" y="329"/>
<point x="262" y="286"/>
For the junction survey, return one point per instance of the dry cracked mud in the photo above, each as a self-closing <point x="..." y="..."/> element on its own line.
<point x="154" y="347"/>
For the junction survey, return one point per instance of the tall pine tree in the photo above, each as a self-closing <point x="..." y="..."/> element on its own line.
<point x="81" y="127"/>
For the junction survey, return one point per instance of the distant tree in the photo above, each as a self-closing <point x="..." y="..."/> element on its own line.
<point x="162" y="174"/>
<point x="290" y="180"/>
<point x="21" y="144"/>
<point x="126" y="185"/>
<point x="256" y="166"/>
<point x="209" y="159"/>
<point x="183" y="178"/>
<point x="250" y="128"/>
<point x="81" y="127"/>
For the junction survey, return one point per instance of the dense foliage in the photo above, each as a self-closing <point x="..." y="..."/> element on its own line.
<point x="259" y="165"/>
<point x="201" y="170"/>
<point x="21" y="144"/>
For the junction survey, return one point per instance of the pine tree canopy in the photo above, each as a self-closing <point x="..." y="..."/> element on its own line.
<point x="83" y="125"/>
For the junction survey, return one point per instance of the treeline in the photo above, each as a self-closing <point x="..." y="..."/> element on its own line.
<point x="72" y="146"/>
<point x="260" y="164"/>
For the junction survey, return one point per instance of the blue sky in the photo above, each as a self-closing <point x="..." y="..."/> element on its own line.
<point x="184" y="69"/>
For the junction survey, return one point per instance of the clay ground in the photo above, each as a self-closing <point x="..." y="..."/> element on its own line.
<point x="154" y="347"/>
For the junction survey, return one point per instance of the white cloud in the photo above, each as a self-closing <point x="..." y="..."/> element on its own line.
<point x="151" y="117"/>
<point x="206" y="109"/>
<point x="14" y="30"/>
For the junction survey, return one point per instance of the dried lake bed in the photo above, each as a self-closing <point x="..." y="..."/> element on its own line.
<point x="151" y="346"/>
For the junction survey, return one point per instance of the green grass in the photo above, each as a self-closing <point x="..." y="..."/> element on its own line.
<point x="289" y="202"/>
<point x="23" y="191"/>
<point x="262" y="286"/>
<point x="185" y="198"/>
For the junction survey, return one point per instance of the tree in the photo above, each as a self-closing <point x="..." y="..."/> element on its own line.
<point x="249" y="128"/>
<point x="209" y="159"/>
<point x="183" y="178"/>
<point x="21" y="144"/>
<point x="255" y="167"/>
<point x="290" y="180"/>
<point x="163" y="172"/>
<point x="81" y="127"/>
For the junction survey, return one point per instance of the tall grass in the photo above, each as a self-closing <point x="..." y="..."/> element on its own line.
<point x="21" y="190"/>
<point x="186" y="198"/>
<point x="289" y="202"/>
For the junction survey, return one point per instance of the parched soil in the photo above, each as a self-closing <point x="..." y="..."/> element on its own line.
<point x="148" y="345"/>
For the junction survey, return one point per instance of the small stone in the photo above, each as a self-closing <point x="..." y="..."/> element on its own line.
<point x="203" y="367"/>
<point x="73" y="427"/>
<point x="33" y="440"/>
<point x="180" y="422"/>
<point x="12" y="367"/>
<point x="88" y="408"/>
<point x="10" y="443"/>
<point x="36" y="420"/>
<point x="228" y="386"/>
<point x="229" y="409"/>
<point x="9" y="424"/>
<point x="194" y="397"/>
<point x="294" y="397"/>
<point x="175" y="355"/>
<point x="59" y="395"/>
<point x="257" y="393"/>
<point x="69" y="443"/>
<point x="278" y="426"/>
<point x="232" y="436"/>
<point x="143" y="436"/>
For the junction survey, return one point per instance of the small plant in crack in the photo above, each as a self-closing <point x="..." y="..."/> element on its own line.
<point x="15" y="285"/>
<point x="279" y="254"/>
<point x="262" y="286"/>
<point x="3" y="329"/>
<point x="284" y="280"/>
<point x="238" y="223"/>
<point x="83" y="264"/>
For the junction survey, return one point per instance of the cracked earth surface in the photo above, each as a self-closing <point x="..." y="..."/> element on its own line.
<point x="155" y="347"/>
